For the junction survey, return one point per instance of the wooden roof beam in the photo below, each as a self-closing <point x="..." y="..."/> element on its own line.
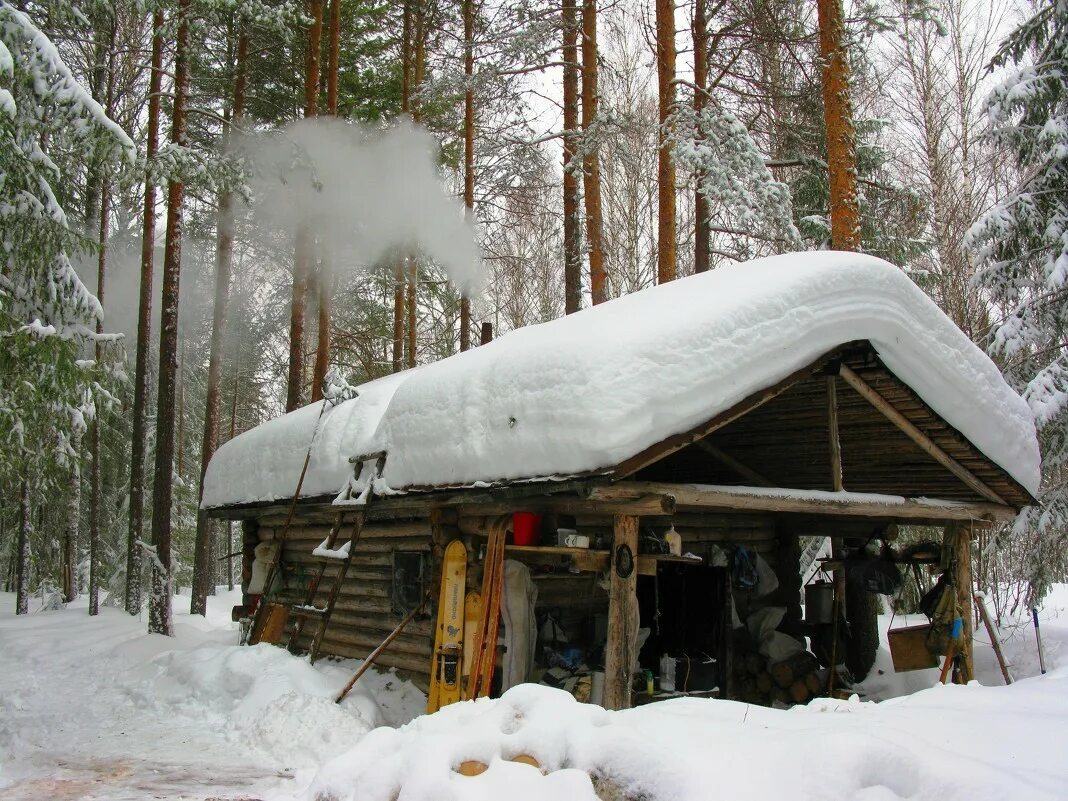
<point x="926" y="444"/>
<point x="742" y="469"/>
<point x="812" y="502"/>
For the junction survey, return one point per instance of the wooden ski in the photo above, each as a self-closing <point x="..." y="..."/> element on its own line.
<point x="448" y="638"/>
<point x="485" y="650"/>
<point x="472" y="618"/>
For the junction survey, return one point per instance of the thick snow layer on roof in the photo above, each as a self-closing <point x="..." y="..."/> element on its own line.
<point x="589" y="390"/>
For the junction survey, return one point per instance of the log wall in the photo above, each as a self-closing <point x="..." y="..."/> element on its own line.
<point x="362" y="616"/>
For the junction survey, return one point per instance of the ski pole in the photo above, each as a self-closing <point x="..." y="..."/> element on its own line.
<point x="1038" y="639"/>
<point x="951" y="652"/>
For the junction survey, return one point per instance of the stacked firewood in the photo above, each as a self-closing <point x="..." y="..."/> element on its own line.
<point x="794" y="680"/>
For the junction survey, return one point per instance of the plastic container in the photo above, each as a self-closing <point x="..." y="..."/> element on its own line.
<point x="667" y="673"/>
<point x="526" y="528"/>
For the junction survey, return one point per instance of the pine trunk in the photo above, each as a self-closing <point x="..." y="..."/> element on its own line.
<point x="333" y="55"/>
<point x="22" y="565"/>
<point x="665" y="71"/>
<point x="160" y="603"/>
<point x="144" y="329"/>
<point x="304" y="241"/>
<point x="591" y="165"/>
<point x="70" y="530"/>
<point x="326" y="280"/>
<point x="841" y="138"/>
<point x="469" y="152"/>
<point x="572" y="254"/>
<point x="96" y="468"/>
<point x="700" y="97"/>
<point x="224" y="252"/>
<point x="413" y="281"/>
<point x="398" y="267"/>
<point x="419" y="33"/>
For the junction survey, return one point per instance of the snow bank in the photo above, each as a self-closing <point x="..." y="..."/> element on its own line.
<point x="96" y="701"/>
<point x="944" y="743"/>
<point x="586" y="391"/>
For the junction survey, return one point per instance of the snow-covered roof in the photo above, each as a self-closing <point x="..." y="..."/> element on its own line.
<point x="589" y="390"/>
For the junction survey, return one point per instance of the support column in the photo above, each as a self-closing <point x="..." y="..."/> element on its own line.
<point x="620" y="651"/>
<point x="962" y="579"/>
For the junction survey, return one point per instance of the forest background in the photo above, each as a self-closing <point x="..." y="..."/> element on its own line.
<point x="190" y="251"/>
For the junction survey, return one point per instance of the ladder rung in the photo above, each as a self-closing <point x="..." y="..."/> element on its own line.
<point x="307" y="611"/>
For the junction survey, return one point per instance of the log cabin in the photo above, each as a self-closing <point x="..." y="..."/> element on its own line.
<point x="753" y="412"/>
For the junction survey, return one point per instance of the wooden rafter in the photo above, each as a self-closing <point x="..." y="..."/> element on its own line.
<point x="739" y="467"/>
<point x="926" y="444"/>
<point x="659" y="450"/>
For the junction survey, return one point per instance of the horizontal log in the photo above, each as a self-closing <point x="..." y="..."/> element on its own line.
<point x="569" y="505"/>
<point x="418" y="666"/>
<point x="696" y="496"/>
<point x="371" y="531"/>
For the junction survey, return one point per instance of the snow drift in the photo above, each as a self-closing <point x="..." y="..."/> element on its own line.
<point x="589" y="390"/>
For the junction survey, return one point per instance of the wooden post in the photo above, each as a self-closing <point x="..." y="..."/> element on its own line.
<point x="832" y="431"/>
<point x="622" y="614"/>
<point x="963" y="582"/>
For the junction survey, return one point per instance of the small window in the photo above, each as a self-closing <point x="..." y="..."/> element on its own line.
<point x="409" y="580"/>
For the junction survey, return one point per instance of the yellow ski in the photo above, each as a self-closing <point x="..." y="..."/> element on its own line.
<point x="448" y="637"/>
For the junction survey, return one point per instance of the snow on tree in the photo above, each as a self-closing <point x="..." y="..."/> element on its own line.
<point x="745" y="201"/>
<point x="47" y="316"/>
<point x="1021" y="257"/>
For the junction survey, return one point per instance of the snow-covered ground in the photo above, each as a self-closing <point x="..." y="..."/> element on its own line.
<point x="96" y="709"/>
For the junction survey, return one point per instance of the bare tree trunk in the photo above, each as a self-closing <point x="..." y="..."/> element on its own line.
<point x="591" y="172"/>
<point x="398" y="267"/>
<point x="419" y="32"/>
<point x="841" y="137"/>
<point x="469" y="152"/>
<point x="666" y="268"/>
<point x="144" y="328"/>
<point x="303" y="242"/>
<point x="333" y="54"/>
<point x="70" y="530"/>
<point x="700" y="97"/>
<point x="326" y="280"/>
<point x="94" y="430"/>
<point x="413" y="281"/>
<point x="22" y="565"/>
<point x="224" y="253"/>
<point x="572" y="254"/>
<point x="160" y="603"/>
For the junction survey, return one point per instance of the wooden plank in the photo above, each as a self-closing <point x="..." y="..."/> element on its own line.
<point x="922" y="440"/>
<point x="832" y="433"/>
<point x="703" y="496"/>
<point x="620" y="649"/>
<point x="742" y="469"/>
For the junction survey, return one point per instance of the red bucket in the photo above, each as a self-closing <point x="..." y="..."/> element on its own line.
<point x="526" y="527"/>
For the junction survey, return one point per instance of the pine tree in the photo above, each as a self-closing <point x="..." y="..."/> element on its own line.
<point x="160" y="602"/>
<point x="666" y="268"/>
<point x="841" y="135"/>
<point x="1021" y="256"/>
<point x="138" y="446"/>
<point x="50" y="127"/>
<point x="572" y="255"/>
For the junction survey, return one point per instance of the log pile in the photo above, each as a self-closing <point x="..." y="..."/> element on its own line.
<point x="794" y="680"/>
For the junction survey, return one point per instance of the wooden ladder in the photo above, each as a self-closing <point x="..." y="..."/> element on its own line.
<point x="341" y="559"/>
